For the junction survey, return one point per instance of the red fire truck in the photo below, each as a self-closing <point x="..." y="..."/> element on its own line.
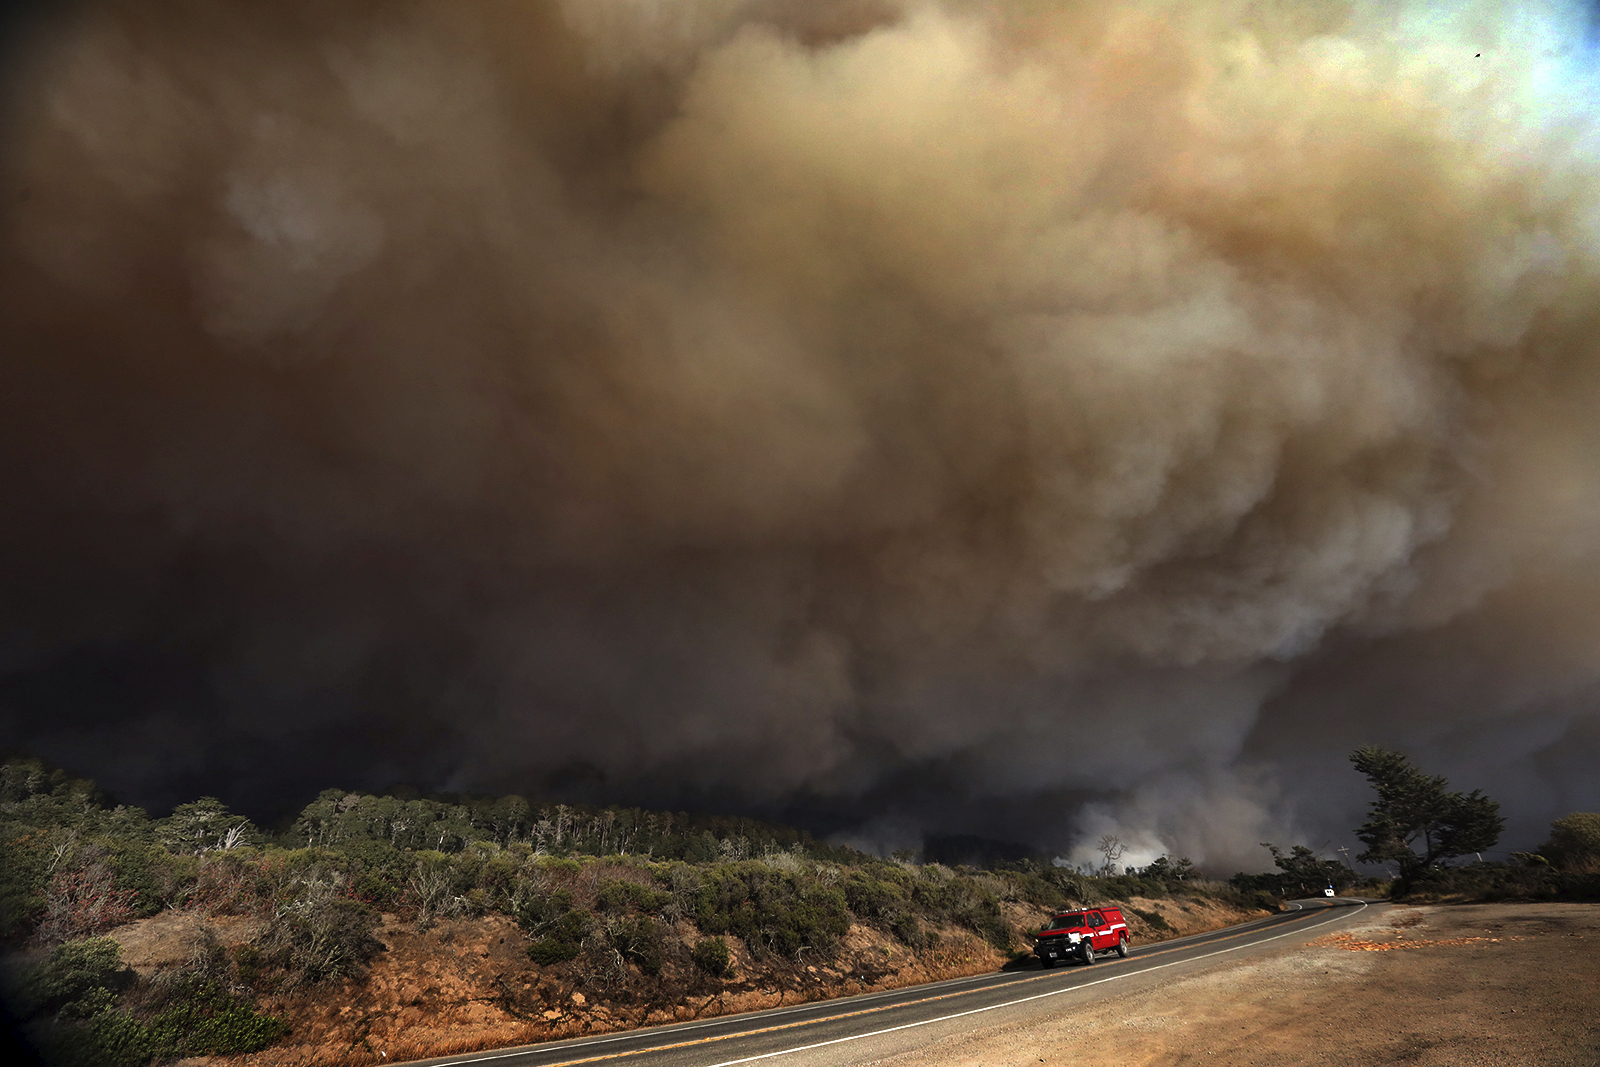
<point x="1082" y="934"/>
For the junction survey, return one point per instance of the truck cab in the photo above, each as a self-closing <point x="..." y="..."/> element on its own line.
<point x="1082" y="935"/>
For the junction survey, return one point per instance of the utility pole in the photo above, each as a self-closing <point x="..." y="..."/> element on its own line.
<point x="1344" y="850"/>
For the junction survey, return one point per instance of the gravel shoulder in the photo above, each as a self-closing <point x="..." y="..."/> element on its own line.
<point x="1430" y="985"/>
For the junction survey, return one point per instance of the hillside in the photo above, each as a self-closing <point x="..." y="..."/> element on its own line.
<point x="391" y="927"/>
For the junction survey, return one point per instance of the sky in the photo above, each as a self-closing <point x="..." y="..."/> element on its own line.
<point x="1031" y="420"/>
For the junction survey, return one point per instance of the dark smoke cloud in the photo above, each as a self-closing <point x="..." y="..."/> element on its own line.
<point x="1026" y="419"/>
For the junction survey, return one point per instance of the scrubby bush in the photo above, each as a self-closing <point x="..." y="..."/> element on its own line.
<point x="875" y="898"/>
<point x="155" y="877"/>
<point x="1502" y="881"/>
<point x="775" y="911"/>
<point x="536" y="911"/>
<point x="562" y="940"/>
<point x="226" y="883"/>
<point x="24" y="874"/>
<point x="985" y="918"/>
<point x="962" y="900"/>
<point x="909" y="931"/>
<point x="104" y="1037"/>
<point x="84" y="900"/>
<point x="72" y="972"/>
<point x="711" y="955"/>
<point x="1574" y="842"/>
<point x="198" y="1017"/>
<point x="1046" y="885"/>
<point x="618" y="895"/>
<point x="71" y="1000"/>
<point x="881" y="895"/>
<point x="557" y="927"/>
<point x="639" y="940"/>
<point x="320" y="936"/>
<point x="495" y="882"/>
<point x="431" y="890"/>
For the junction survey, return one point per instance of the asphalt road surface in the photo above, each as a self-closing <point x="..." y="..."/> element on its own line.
<point x="857" y="1029"/>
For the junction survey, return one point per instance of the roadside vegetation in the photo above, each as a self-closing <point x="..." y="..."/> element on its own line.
<point x="600" y="893"/>
<point x="620" y="902"/>
<point x="1417" y="823"/>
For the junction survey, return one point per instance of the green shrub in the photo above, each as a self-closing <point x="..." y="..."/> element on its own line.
<point x="79" y="983"/>
<point x="1261" y="898"/>
<point x="883" y="897"/>
<point x="639" y="940"/>
<point x="985" y="918"/>
<point x="536" y="911"/>
<point x="24" y="873"/>
<point x="200" y="1018"/>
<point x="906" y="927"/>
<point x="250" y="963"/>
<point x="497" y="880"/>
<point x="377" y="888"/>
<point x="776" y="911"/>
<point x="1575" y="841"/>
<point x="872" y="899"/>
<point x="617" y="895"/>
<point x="106" y="1038"/>
<point x="73" y="971"/>
<point x="711" y="955"/>
<point x="563" y="939"/>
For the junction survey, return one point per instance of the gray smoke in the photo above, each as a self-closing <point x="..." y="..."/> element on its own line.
<point x="1029" y="419"/>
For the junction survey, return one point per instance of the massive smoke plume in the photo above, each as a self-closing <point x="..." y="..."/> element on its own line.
<point x="1028" y="418"/>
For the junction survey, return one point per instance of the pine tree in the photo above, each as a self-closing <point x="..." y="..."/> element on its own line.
<point x="1416" y="821"/>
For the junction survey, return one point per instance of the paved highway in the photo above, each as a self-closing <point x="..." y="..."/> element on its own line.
<point x="854" y="1029"/>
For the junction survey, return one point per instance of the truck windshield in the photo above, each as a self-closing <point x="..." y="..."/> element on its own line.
<point x="1065" y="921"/>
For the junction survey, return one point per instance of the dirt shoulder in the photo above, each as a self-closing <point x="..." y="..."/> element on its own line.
<point x="1433" y="985"/>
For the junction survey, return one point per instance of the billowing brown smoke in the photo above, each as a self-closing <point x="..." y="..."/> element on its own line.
<point x="1028" y="418"/>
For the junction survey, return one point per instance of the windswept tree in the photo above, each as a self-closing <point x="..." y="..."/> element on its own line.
<point x="1306" y="872"/>
<point x="1416" y="822"/>
<point x="203" y="826"/>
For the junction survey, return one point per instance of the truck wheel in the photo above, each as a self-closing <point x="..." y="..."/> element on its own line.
<point x="1088" y="951"/>
<point x="1122" y="947"/>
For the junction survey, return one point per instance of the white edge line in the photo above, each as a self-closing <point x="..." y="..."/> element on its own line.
<point x="1006" y="1004"/>
<point x="700" y="1024"/>
<point x="856" y="1037"/>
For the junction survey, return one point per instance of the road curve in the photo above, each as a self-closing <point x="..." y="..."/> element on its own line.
<point x="843" y="1030"/>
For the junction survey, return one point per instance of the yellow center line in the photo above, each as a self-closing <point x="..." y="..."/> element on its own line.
<point x="830" y="1018"/>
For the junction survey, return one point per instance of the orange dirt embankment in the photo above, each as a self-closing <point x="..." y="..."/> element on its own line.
<point x="467" y="984"/>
